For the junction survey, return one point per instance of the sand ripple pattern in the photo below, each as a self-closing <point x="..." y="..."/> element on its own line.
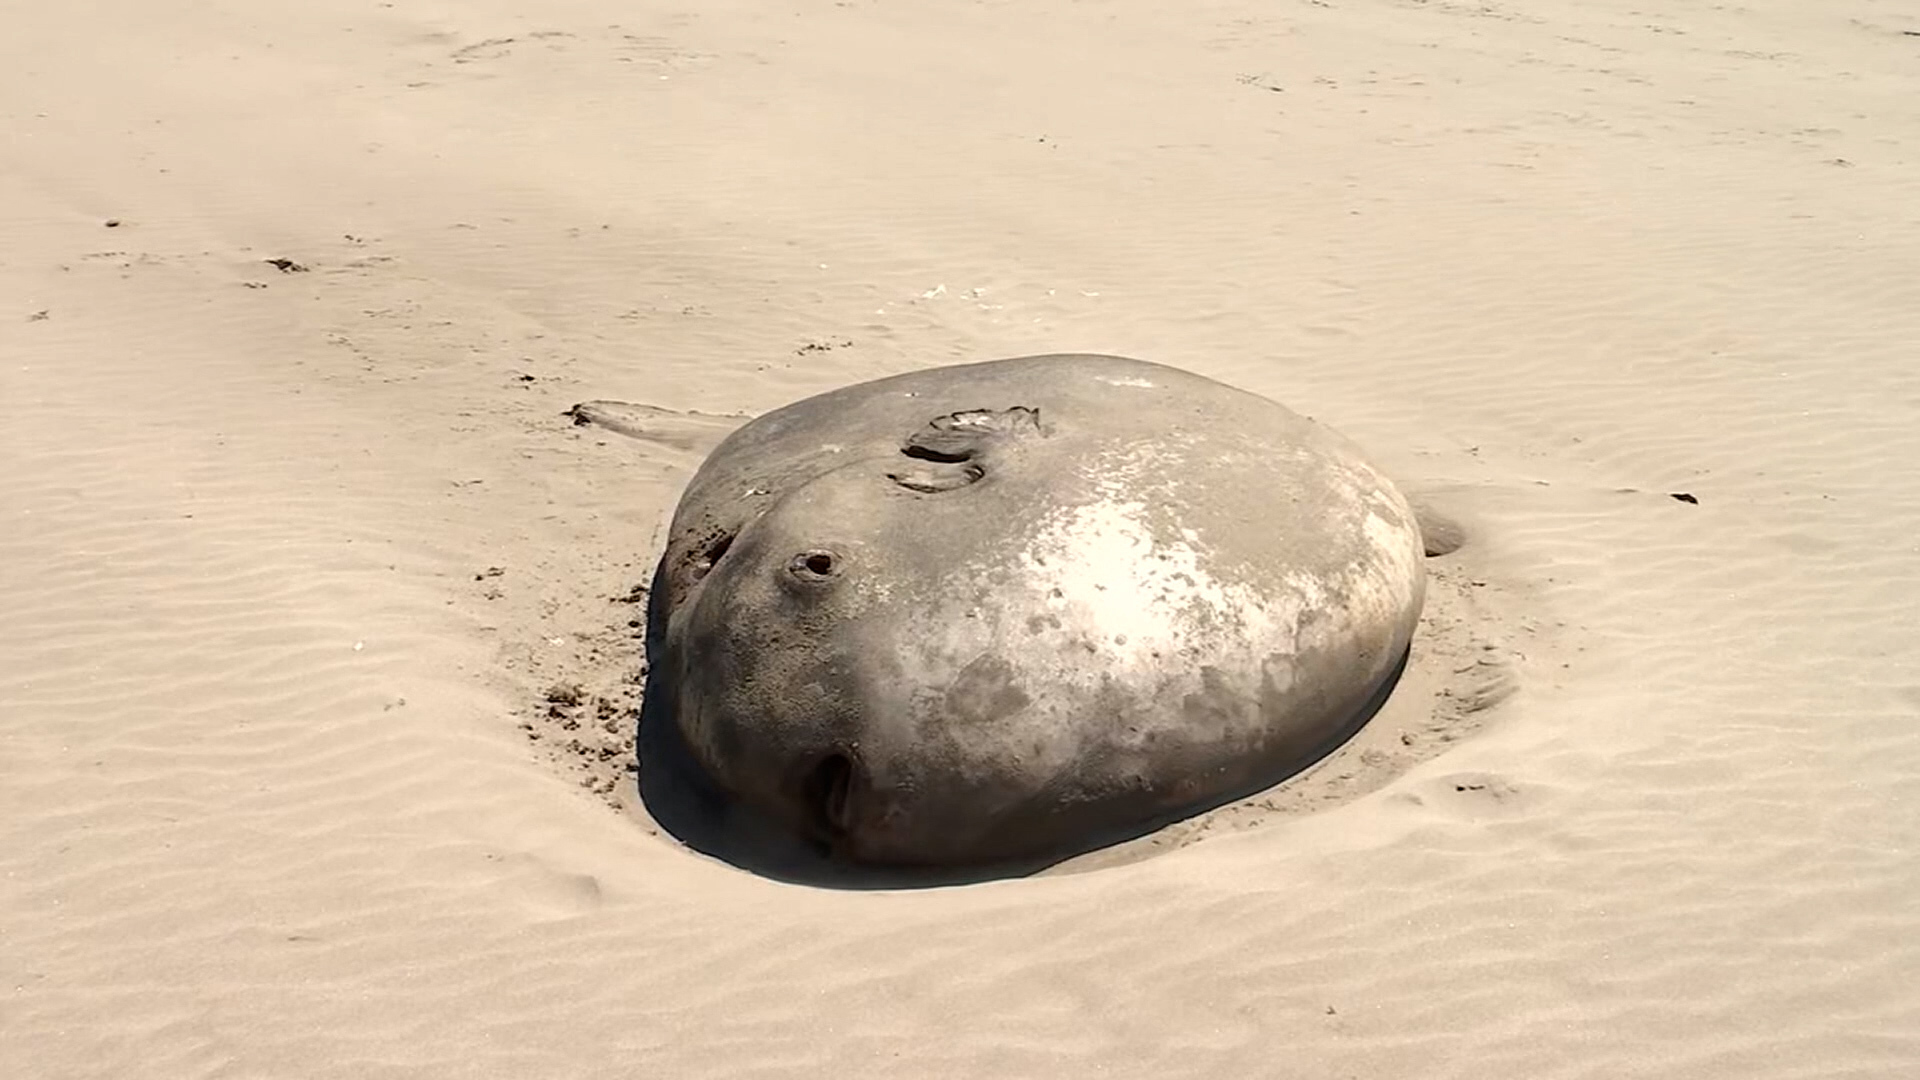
<point x="268" y="801"/>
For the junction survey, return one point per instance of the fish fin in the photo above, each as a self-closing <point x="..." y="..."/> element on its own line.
<point x="690" y="431"/>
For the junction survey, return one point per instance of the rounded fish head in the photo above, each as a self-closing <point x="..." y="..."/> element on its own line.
<point x="793" y="688"/>
<point x="993" y="637"/>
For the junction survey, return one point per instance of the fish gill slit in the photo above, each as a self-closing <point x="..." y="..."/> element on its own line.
<point x="828" y="795"/>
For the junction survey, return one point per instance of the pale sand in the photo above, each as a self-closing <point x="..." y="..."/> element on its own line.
<point x="267" y="808"/>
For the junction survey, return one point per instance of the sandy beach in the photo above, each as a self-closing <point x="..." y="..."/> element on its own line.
<point x="320" y="648"/>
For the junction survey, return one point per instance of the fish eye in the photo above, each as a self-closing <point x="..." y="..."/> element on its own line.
<point x="815" y="565"/>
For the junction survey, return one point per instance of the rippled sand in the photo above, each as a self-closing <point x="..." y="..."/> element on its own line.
<point x="294" y="554"/>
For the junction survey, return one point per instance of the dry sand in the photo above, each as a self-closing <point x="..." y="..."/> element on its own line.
<point x="290" y="557"/>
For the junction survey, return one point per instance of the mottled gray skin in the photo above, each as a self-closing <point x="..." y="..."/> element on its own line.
<point x="997" y="611"/>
